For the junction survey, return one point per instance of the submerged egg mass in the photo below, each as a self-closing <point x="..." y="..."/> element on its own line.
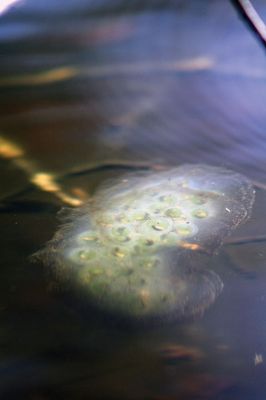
<point x="138" y="248"/>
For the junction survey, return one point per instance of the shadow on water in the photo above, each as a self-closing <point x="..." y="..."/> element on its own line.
<point x="85" y="88"/>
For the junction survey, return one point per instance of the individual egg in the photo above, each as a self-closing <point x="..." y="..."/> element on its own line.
<point x="174" y="212"/>
<point x="200" y="213"/>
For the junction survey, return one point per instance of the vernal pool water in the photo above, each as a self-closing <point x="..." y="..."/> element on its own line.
<point x="93" y="92"/>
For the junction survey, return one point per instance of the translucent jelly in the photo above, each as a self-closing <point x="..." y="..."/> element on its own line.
<point x="141" y="247"/>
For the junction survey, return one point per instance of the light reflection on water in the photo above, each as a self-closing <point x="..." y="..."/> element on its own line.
<point x="214" y="114"/>
<point x="116" y="83"/>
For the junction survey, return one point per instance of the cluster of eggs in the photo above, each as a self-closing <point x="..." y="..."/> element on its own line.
<point x="137" y="248"/>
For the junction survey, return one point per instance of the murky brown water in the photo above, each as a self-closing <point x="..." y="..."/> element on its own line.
<point x="121" y="84"/>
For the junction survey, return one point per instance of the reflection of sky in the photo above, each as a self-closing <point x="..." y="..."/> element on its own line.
<point x="6" y="4"/>
<point x="127" y="91"/>
<point x="9" y="32"/>
<point x="163" y="35"/>
<point x="54" y="7"/>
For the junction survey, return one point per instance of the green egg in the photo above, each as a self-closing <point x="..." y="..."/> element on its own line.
<point x="87" y="273"/>
<point x="98" y="287"/>
<point x="159" y="224"/>
<point x="97" y="271"/>
<point x="118" y="253"/>
<point x="170" y="239"/>
<point x="121" y="234"/>
<point x="168" y="199"/>
<point x="157" y="208"/>
<point x="173" y="212"/>
<point x="198" y="199"/>
<point x="145" y="242"/>
<point x="87" y="255"/>
<point x="140" y="216"/>
<point x="85" y="276"/>
<point x="184" y="230"/>
<point x="123" y="218"/>
<point x="89" y="236"/>
<point x="200" y="213"/>
<point x="149" y="263"/>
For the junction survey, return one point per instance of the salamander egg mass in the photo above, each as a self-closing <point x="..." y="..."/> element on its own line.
<point x="139" y="247"/>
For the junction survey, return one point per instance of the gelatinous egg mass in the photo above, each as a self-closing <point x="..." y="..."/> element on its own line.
<point x="141" y="247"/>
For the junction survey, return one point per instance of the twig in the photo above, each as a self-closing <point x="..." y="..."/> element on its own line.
<point x="252" y="19"/>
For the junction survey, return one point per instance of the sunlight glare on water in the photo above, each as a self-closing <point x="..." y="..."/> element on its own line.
<point x="6" y="4"/>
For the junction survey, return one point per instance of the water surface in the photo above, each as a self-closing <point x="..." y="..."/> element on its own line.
<point x="85" y="84"/>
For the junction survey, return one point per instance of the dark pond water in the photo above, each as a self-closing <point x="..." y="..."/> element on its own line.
<point x="89" y="90"/>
